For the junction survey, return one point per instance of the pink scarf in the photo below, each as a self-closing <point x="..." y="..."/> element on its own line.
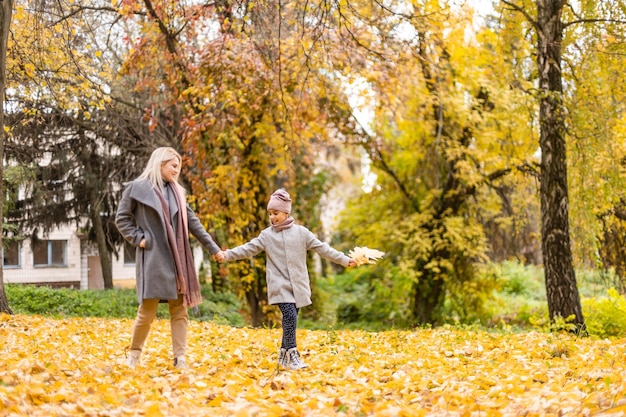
<point x="186" y="278"/>
<point x="285" y="224"/>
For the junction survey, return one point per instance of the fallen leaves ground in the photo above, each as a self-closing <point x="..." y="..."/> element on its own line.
<point x="75" y="367"/>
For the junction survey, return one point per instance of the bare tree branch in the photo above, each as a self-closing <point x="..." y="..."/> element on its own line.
<point x="524" y="12"/>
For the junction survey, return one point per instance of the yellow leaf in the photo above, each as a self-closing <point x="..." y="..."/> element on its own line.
<point x="154" y="410"/>
<point x="365" y="255"/>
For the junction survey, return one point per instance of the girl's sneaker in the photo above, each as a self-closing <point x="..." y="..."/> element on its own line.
<point x="293" y="360"/>
<point x="282" y="358"/>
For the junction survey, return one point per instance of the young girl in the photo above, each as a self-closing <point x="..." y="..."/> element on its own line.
<point x="286" y="244"/>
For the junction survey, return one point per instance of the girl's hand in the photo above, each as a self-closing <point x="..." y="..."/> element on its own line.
<point x="352" y="263"/>
<point x="220" y="256"/>
<point x="142" y="244"/>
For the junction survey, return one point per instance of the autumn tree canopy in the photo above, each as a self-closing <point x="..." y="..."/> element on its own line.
<point x="256" y="95"/>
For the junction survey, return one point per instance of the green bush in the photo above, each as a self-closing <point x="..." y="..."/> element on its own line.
<point x="369" y="298"/>
<point x="522" y="280"/>
<point x="63" y="302"/>
<point x="521" y="302"/>
<point x="605" y="316"/>
<point x="115" y="303"/>
<point x="595" y="283"/>
<point x="517" y="296"/>
<point x="349" y="313"/>
<point x="223" y="308"/>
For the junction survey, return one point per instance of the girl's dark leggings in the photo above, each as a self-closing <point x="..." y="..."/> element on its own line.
<point x="290" y="322"/>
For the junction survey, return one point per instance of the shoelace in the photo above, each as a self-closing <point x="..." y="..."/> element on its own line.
<point x="295" y="359"/>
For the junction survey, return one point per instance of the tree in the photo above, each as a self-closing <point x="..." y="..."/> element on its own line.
<point x="561" y="287"/>
<point x="549" y="27"/>
<point x="6" y="11"/>
<point x="78" y="129"/>
<point x="596" y="143"/>
<point x="55" y="100"/>
<point x="258" y="129"/>
<point x="444" y="159"/>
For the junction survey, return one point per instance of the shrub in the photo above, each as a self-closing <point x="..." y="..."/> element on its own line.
<point x="605" y="316"/>
<point x="115" y="303"/>
<point x="348" y="313"/>
<point x="371" y="298"/>
<point x="27" y="299"/>
<point x="519" y="300"/>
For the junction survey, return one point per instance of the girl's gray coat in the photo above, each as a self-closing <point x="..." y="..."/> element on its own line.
<point x="286" y="271"/>
<point x="140" y="216"/>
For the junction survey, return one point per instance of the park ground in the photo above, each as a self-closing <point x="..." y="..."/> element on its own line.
<point x="76" y="367"/>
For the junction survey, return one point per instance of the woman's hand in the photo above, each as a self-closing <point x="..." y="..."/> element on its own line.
<point x="220" y="256"/>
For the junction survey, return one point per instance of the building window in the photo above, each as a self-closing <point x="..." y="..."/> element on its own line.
<point x="11" y="254"/>
<point x="50" y="253"/>
<point x="129" y="254"/>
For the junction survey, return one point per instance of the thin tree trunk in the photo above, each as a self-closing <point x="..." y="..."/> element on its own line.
<point x="103" y="250"/>
<point x="6" y="12"/>
<point x="428" y="298"/>
<point x="91" y="180"/>
<point x="256" y="314"/>
<point x="561" y="288"/>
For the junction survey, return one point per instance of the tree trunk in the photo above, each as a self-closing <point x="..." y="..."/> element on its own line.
<point x="428" y="298"/>
<point x="92" y="184"/>
<point x="103" y="250"/>
<point x="561" y="288"/>
<point x="256" y="314"/>
<point x="6" y="12"/>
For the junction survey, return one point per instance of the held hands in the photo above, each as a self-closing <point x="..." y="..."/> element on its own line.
<point x="220" y="256"/>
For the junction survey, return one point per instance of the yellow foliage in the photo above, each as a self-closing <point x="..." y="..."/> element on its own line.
<point x="76" y="367"/>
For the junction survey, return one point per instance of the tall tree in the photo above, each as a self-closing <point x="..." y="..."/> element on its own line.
<point x="60" y="88"/>
<point x="560" y="277"/>
<point x="443" y="157"/>
<point x="79" y="129"/>
<point x="561" y="287"/>
<point x="6" y="11"/>
<point x="595" y="100"/>
<point x="261" y="126"/>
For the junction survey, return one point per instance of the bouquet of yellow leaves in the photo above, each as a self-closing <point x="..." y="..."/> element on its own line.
<point x="365" y="255"/>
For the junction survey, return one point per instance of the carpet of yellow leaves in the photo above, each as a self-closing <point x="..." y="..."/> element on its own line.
<point x="76" y="367"/>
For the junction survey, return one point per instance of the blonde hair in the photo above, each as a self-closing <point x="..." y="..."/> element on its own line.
<point x="152" y="172"/>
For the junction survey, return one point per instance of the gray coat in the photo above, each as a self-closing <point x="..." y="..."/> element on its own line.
<point x="140" y="216"/>
<point x="286" y="271"/>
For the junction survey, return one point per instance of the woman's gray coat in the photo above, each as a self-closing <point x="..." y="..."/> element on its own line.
<point x="140" y="216"/>
<point x="286" y="270"/>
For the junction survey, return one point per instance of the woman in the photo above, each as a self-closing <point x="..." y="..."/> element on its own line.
<point x="154" y="217"/>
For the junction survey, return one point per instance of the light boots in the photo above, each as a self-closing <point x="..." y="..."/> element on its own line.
<point x="133" y="358"/>
<point x="180" y="363"/>
<point x="290" y="359"/>
<point x="134" y="355"/>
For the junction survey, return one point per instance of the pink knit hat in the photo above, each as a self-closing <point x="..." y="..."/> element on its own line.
<point x="280" y="201"/>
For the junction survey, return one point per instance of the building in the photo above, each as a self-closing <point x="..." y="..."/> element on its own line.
<point x="65" y="258"/>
